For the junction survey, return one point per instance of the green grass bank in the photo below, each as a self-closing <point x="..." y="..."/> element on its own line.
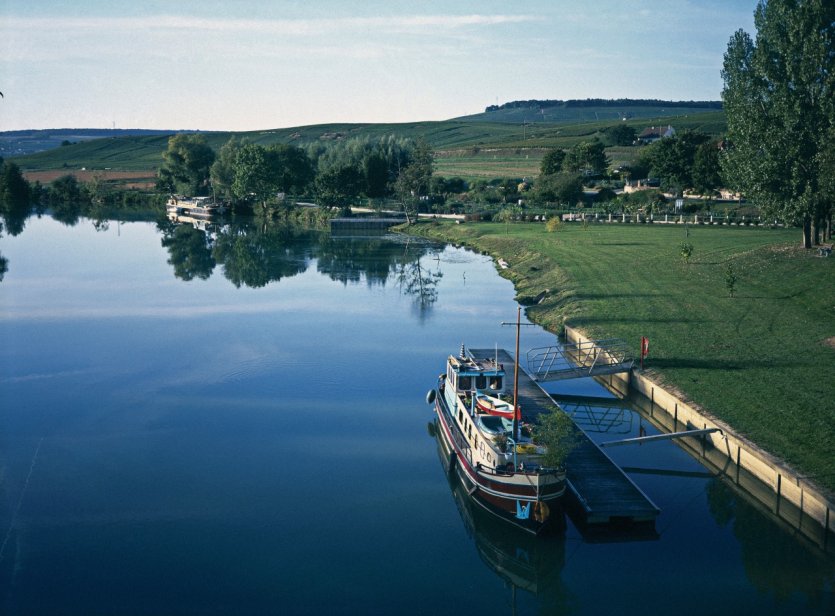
<point x="763" y="361"/>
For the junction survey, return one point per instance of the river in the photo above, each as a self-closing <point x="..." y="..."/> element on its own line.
<point x="234" y="421"/>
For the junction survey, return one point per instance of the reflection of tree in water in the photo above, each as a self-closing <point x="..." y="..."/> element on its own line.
<point x="67" y="212"/>
<point x="350" y="259"/>
<point x="256" y="257"/>
<point x="775" y="561"/>
<point x="375" y="259"/>
<point x="190" y="252"/>
<point x="15" y="212"/>
<point x="419" y="282"/>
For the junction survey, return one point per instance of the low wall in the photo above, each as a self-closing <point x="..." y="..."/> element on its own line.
<point x="759" y="474"/>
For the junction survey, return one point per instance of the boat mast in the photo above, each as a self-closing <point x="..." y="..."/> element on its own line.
<point x="516" y="376"/>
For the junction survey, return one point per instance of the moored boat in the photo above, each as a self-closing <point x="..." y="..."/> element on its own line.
<point x="496" y="456"/>
<point x="195" y="207"/>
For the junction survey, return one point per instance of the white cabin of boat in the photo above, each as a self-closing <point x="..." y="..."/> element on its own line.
<point x="501" y="467"/>
<point x="193" y="206"/>
<point x="469" y="386"/>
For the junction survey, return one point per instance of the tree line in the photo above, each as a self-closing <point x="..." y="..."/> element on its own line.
<point x="336" y="175"/>
<point x="603" y="102"/>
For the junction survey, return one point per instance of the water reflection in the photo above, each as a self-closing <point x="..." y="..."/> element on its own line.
<point x="523" y="561"/>
<point x="255" y="255"/>
<point x="191" y="252"/>
<point x="781" y="566"/>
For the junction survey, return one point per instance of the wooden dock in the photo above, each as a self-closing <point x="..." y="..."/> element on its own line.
<point x="602" y="492"/>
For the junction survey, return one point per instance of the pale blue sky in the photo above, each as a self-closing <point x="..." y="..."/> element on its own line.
<point x="247" y="65"/>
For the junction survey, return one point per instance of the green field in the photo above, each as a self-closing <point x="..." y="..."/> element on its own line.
<point x="454" y="141"/>
<point x="762" y="361"/>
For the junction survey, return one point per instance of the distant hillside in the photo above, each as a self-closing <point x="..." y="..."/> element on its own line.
<point x="588" y="110"/>
<point x="21" y="142"/>
<point x="144" y="151"/>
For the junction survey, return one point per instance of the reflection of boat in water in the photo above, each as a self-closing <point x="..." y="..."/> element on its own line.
<point x="203" y="224"/>
<point x="503" y="470"/>
<point x="194" y="207"/>
<point x="527" y="562"/>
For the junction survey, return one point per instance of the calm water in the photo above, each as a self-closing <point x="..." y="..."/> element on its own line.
<point x="234" y="422"/>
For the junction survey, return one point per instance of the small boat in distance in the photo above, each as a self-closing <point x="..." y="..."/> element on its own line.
<point x="495" y="454"/>
<point x="195" y="207"/>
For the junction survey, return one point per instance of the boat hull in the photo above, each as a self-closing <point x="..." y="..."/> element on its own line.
<point x="527" y="500"/>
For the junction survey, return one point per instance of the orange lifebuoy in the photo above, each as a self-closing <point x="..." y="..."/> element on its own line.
<point x="541" y="511"/>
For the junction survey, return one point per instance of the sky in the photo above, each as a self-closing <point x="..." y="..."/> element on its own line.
<point x="249" y="65"/>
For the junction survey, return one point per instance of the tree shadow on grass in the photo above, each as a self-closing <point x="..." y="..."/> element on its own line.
<point x="580" y="321"/>
<point x="614" y="295"/>
<point x="715" y="364"/>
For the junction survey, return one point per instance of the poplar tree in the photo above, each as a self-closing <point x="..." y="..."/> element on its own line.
<point x="779" y="100"/>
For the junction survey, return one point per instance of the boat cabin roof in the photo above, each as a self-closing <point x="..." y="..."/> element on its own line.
<point x="469" y="366"/>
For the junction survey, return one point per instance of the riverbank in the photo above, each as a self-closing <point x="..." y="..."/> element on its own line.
<point x="759" y="361"/>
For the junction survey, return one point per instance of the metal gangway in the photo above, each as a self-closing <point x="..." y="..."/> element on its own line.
<point x="579" y="359"/>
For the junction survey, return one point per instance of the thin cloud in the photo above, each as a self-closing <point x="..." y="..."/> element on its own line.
<point x="283" y="27"/>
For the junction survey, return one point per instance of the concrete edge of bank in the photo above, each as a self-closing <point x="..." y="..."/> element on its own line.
<point x="781" y="489"/>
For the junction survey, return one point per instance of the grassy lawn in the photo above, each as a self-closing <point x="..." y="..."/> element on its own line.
<point x="762" y="361"/>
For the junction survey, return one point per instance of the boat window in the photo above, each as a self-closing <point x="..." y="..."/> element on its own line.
<point x="464" y="383"/>
<point x="495" y="382"/>
<point x="481" y="382"/>
<point x="460" y="416"/>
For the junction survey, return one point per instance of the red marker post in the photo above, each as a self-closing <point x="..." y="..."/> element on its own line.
<point x="644" y="349"/>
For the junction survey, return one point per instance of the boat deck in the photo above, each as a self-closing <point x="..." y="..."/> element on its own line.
<point x="603" y="493"/>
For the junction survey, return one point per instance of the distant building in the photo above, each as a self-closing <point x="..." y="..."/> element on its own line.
<point x="654" y="133"/>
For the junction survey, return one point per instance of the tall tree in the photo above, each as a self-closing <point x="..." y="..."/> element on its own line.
<point x="338" y="186"/>
<point x="186" y="165"/>
<point x="252" y="174"/>
<point x="552" y="162"/>
<point x="706" y="171"/>
<point x="779" y="98"/>
<point x="222" y="172"/>
<point x="620" y="134"/>
<point x="587" y="156"/>
<point x="291" y="167"/>
<point x="672" y="159"/>
<point x="414" y="180"/>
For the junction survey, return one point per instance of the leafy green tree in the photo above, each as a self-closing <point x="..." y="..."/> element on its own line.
<point x="252" y="174"/>
<point x="186" y="165"/>
<point x="555" y="431"/>
<point x="587" y="156"/>
<point x="685" y="251"/>
<point x="14" y="189"/>
<point x="730" y="279"/>
<point x="779" y="98"/>
<point x="552" y="162"/>
<point x="375" y="170"/>
<point x="338" y="186"/>
<point x="620" y="134"/>
<point x="222" y="172"/>
<point x="291" y="168"/>
<point x="562" y="188"/>
<point x="413" y="182"/>
<point x="706" y="170"/>
<point x="672" y="159"/>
